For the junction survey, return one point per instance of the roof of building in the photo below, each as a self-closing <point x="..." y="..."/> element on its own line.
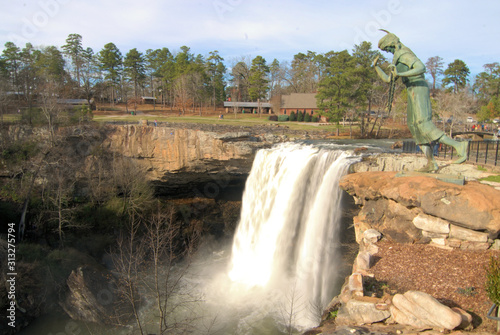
<point x="73" y="101"/>
<point x="299" y="100"/>
<point x="247" y="104"/>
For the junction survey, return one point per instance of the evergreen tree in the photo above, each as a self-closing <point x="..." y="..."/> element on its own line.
<point x="307" y="117"/>
<point x="134" y="68"/>
<point x="4" y="73"/>
<point x="300" y="116"/>
<point x="258" y="82"/>
<point x="367" y="78"/>
<point x="216" y="71"/>
<point x="50" y="65"/>
<point x="28" y="70"/>
<point x="338" y="90"/>
<point x="160" y="63"/>
<point x="456" y="74"/>
<point x="183" y="61"/>
<point x="182" y="87"/>
<point x="12" y="60"/>
<point x="89" y="72"/>
<point x="110" y="61"/>
<point x="74" y="50"/>
<point x="487" y="88"/>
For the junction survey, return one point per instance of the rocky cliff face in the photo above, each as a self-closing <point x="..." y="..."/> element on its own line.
<point x="181" y="160"/>
<point x="187" y="161"/>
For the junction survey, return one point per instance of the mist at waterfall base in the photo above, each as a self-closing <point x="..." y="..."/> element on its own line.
<point x="282" y="267"/>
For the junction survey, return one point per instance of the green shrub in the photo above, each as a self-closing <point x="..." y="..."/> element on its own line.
<point x="300" y="117"/>
<point x="493" y="280"/>
<point x="315" y="118"/>
<point x="307" y="117"/>
<point x="293" y="116"/>
<point x="283" y="118"/>
<point x="332" y="315"/>
<point x="273" y="118"/>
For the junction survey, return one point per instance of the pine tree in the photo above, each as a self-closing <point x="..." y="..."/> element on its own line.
<point x="134" y="68"/>
<point x="74" y="50"/>
<point x="110" y="61"/>
<point x="258" y="82"/>
<point x="12" y="58"/>
<point x="456" y="74"/>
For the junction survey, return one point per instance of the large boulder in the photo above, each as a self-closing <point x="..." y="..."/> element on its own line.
<point x="95" y="296"/>
<point x="360" y="312"/>
<point x="421" y="310"/>
<point x="473" y="205"/>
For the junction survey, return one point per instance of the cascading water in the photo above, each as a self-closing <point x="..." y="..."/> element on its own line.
<point x="287" y="238"/>
<point x="285" y="254"/>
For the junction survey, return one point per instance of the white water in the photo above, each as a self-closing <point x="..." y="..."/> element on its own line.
<point x="287" y="238"/>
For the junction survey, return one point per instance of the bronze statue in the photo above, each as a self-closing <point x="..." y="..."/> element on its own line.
<point x="419" y="113"/>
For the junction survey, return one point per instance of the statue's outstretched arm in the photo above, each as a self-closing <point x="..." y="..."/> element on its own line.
<point x="418" y="68"/>
<point x="380" y="72"/>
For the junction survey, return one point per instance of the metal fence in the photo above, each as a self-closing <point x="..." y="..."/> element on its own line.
<point x="479" y="152"/>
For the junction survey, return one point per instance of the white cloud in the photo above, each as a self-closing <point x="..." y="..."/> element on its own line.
<point x="273" y="29"/>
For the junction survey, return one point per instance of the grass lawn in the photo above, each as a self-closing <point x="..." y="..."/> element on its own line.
<point x="11" y="117"/>
<point x="229" y="119"/>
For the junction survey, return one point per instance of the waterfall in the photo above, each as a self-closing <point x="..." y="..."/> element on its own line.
<point x="288" y="234"/>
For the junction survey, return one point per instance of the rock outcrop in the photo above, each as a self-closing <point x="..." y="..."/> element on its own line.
<point x="414" y="309"/>
<point x="415" y="209"/>
<point x="420" y="310"/>
<point x="181" y="160"/>
<point x="423" y="209"/>
<point x="185" y="161"/>
<point x="95" y="296"/>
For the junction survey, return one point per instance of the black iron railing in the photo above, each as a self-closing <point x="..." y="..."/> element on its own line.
<point x="479" y="152"/>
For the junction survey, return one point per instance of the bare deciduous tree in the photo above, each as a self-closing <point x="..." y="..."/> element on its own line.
<point x="292" y="306"/>
<point x="155" y="256"/>
<point x="127" y="260"/>
<point x="454" y="106"/>
<point x="170" y="253"/>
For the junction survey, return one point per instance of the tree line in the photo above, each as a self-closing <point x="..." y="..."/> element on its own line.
<point x="344" y="81"/>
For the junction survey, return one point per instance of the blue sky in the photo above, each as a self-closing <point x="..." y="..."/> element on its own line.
<point x="452" y="29"/>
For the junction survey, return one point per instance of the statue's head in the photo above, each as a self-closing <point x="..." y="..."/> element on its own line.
<point x="389" y="40"/>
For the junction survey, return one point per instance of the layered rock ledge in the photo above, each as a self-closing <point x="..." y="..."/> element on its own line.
<point x="416" y="209"/>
